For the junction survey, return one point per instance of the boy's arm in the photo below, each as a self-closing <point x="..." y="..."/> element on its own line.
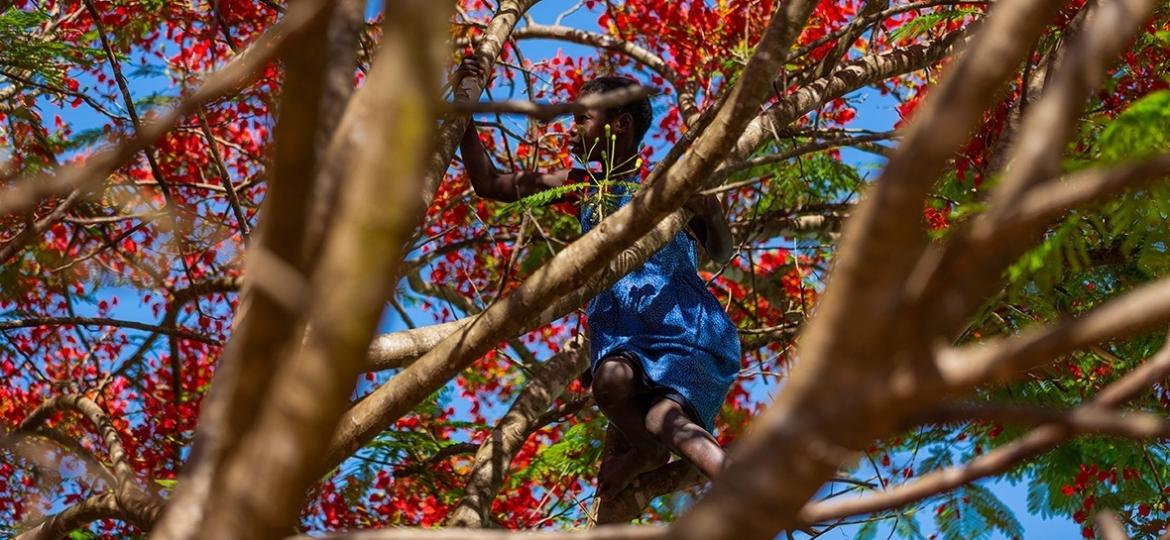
<point x="490" y="183"/>
<point x="709" y="226"/>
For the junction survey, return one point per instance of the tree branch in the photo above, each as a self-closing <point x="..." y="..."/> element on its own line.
<point x="1044" y="203"/>
<point x="26" y="194"/>
<point x="968" y="265"/>
<point x="1141" y="309"/>
<point x="275" y="264"/>
<point x="100" y="506"/>
<point x="545" y="111"/>
<point x="131" y="500"/>
<point x="495" y="455"/>
<point x="260" y="489"/>
<point x="814" y="421"/>
<point x="1131" y="425"/>
<point x="105" y="321"/>
<point x="996" y="461"/>
<point x="1109" y="526"/>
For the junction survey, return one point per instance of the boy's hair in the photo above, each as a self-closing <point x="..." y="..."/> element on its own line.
<point x="639" y="109"/>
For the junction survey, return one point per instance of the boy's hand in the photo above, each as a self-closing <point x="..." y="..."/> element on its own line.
<point x="710" y="227"/>
<point x="469" y="67"/>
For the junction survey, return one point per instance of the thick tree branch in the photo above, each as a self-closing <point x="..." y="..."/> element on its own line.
<point x="1110" y="526"/>
<point x="100" y="506"/>
<point x="996" y="461"/>
<point x="630" y="502"/>
<point x="346" y="31"/>
<point x="468" y="90"/>
<point x="275" y="270"/>
<point x="1142" y="309"/>
<point x="464" y="304"/>
<point x="847" y="78"/>
<point x="969" y="266"/>
<point x="814" y="422"/>
<point x="1048" y="201"/>
<point x="261" y="488"/>
<point x="1131" y="425"/>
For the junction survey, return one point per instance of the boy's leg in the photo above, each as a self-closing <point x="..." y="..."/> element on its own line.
<point x="671" y="425"/>
<point x="619" y="392"/>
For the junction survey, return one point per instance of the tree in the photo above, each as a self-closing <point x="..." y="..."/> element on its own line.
<point x="274" y="177"/>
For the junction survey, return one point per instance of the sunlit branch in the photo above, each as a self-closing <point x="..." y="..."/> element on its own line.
<point x="131" y="500"/>
<point x="101" y="506"/>
<point x="462" y="303"/>
<point x="995" y="461"/>
<point x="813" y="421"/>
<point x="967" y="265"/>
<point x="25" y="194"/>
<point x="1109" y="526"/>
<point x="1052" y="198"/>
<point x="1132" y="425"/>
<point x="1141" y="309"/>
<point x="573" y="35"/>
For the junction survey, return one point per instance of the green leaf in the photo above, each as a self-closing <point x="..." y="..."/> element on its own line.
<point x="923" y="23"/>
<point x="867" y="532"/>
<point x="1140" y="130"/>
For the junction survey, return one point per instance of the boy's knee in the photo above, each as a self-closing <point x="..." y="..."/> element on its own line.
<point x="662" y="414"/>
<point x="613" y="381"/>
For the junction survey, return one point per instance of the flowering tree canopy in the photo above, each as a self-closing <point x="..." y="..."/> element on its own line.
<point x="247" y="290"/>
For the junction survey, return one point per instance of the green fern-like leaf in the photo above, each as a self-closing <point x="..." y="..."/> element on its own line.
<point x="923" y="23"/>
<point x="994" y="511"/>
<point x="543" y="198"/>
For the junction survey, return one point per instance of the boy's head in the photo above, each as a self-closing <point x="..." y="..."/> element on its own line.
<point x="628" y="123"/>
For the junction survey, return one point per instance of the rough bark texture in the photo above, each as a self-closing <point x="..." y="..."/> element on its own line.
<point x="127" y="500"/>
<point x="886" y="367"/>
<point x="261" y="488"/>
<point x="273" y="283"/>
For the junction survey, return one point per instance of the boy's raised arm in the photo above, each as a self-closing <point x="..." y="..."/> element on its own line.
<point x="490" y="183"/>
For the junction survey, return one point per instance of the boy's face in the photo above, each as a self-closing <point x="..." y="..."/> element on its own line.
<point x="589" y="138"/>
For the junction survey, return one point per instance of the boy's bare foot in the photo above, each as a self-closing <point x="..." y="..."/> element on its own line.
<point x="709" y="227"/>
<point x="619" y="470"/>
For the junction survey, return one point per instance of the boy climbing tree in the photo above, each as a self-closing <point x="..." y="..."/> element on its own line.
<point x="663" y="352"/>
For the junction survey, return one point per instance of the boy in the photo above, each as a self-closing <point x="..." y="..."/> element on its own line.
<point x="664" y="354"/>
